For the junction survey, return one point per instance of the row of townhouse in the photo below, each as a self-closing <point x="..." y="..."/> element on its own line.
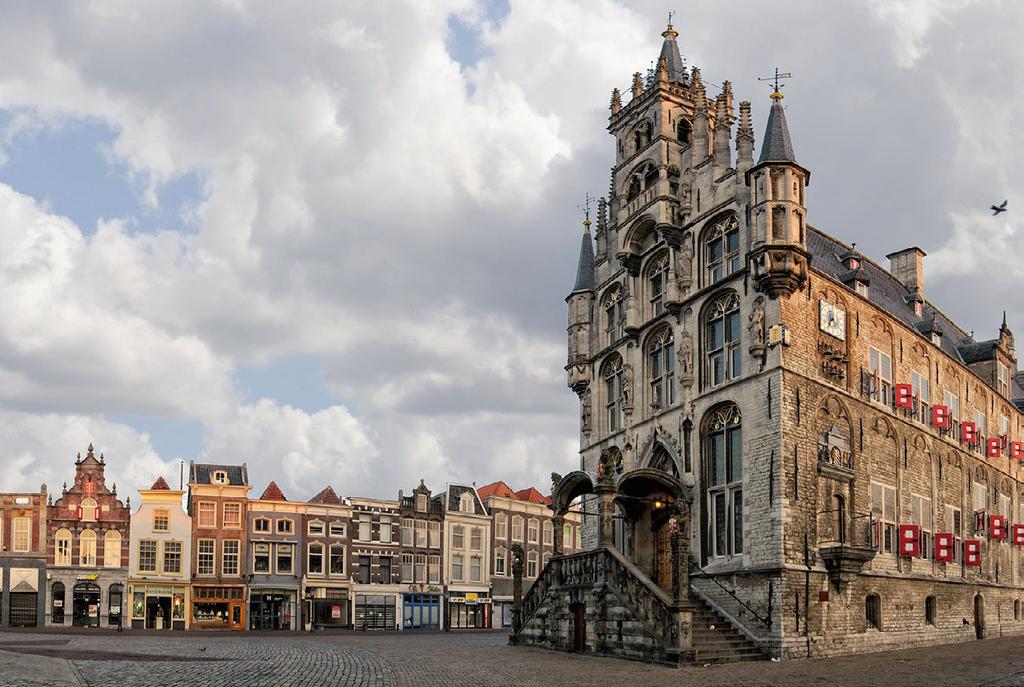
<point x="212" y="556"/>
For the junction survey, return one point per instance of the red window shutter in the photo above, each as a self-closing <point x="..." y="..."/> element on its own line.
<point x="944" y="543"/>
<point x="910" y="544"/>
<point x="1018" y="534"/>
<point x="972" y="553"/>
<point x="904" y="395"/>
<point x="969" y="432"/>
<point x="994" y="447"/>
<point x="940" y="416"/>
<point x="997" y="527"/>
<point x="1016" y="450"/>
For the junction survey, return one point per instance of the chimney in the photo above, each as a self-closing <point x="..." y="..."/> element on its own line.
<point x="907" y="265"/>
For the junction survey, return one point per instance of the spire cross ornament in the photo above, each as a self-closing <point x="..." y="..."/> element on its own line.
<point x="777" y="92"/>
<point x="586" y="209"/>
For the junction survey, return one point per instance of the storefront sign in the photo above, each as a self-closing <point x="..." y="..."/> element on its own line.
<point x="87" y="578"/>
<point x="471" y="596"/>
<point x="336" y="612"/>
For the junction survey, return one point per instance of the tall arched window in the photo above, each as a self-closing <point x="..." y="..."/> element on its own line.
<point x="87" y="510"/>
<point x="112" y="549"/>
<point x="62" y="547"/>
<point x="661" y="357"/>
<point x="634" y="188"/>
<point x="657" y="277"/>
<point x="724" y="461"/>
<point x="615" y="415"/>
<point x="614" y="305"/>
<point x="722" y="249"/>
<point x="57" y="604"/>
<point x="87" y="549"/>
<point x="683" y="132"/>
<point x="722" y="339"/>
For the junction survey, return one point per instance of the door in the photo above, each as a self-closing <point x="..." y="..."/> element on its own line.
<point x="979" y="617"/>
<point x="86" y="605"/>
<point x="662" y="551"/>
<point x="158" y="613"/>
<point x="23" y="609"/>
<point x="236" y="616"/>
<point x="579" y="635"/>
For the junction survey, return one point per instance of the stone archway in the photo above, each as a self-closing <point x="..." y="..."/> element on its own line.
<point x="657" y="509"/>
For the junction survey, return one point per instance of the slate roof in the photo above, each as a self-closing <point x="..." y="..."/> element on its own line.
<point x="777" y="146"/>
<point x="202" y="473"/>
<point x="670" y="51"/>
<point x="585" y="266"/>
<point x="455" y="492"/>
<point x="326" y="497"/>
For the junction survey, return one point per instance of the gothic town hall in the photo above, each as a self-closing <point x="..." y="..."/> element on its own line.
<point x="786" y="449"/>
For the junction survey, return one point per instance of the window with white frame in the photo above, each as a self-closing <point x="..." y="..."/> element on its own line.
<point x="220" y="477"/>
<point x="1004" y="426"/>
<point x="315" y="559"/>
<point x="89" y="508"/>
<point x="385" y="529"/>
<point x="501" y="526"/>
<point x="261" y="525"/>
<point x="315" y="528"/>
<point x="725" y="483"/>
<point x="111" y="549"/>
<point x="147" y="556"/>
<point x="531" y="564"/>
<point x="921" y="514"/>
<point x="172" y="557"/>
<point x="722" y="339"/>
<point x="466" y="504"/>
<point x="233" y="515"/>
<point x="285" y="559"/>
<point x="883" y="510"/>
<point x="661" y="363"/>
<point x="533" y="531"/>
<point x="880" y="367"/>
<point x="205" y="556"/>
<point x="1003" y="379"/>
<point x="421" y="567"/>
<point x="336" y="559"/>
<point x="421" y="533"/>
<point x="476" y="536"/>
<point x="921" y="389"/>
<point x="517" y="528"/>
<point x="364" y="527"/>
<point x="407" y="531"/>
<point x="458" y="537"/>
<point x="421" y="503"/>
<point x="1004" y="506"/>
<point x="981" y="422"/>
<point x="544" y="560"/>
<point x="229" y="559"/>
<point x="457" y="566"/>
<point x="979" y="496"/>
<point x="62" y="547"/>
<point x="500" y="558"/>
<point x="261" y="558"/>
<point x="549" y="533"/>
<point x="337" y="529"/>
<point x="285" y="526"/>
<point x="434" y="530"/>
<point x="407" y="565"/>
<point x="434" y="570"/>
<point x="954" y="523"/>
<point x="952" y="401"/>
<point x="207" y="514"/>
<point x="22" y="535"/>
<point x="87" y="549"/>
<point x="475" y="568"/>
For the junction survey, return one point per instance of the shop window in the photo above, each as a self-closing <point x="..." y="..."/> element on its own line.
<point x="57" y="604"/>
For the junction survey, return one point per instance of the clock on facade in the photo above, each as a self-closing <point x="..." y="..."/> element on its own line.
<point x="832" y="319"/>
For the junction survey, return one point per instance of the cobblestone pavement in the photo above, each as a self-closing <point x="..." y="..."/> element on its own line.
<point x="475" y="659"/>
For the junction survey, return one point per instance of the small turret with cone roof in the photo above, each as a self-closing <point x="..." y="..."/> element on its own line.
<point x="580" y="302"/>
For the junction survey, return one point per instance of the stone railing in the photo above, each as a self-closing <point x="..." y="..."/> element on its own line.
<point x="650" y="604"/>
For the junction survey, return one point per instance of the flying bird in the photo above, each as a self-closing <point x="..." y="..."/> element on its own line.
<point x="996" y="209"/>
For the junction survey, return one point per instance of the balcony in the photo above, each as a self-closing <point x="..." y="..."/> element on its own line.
<point x="835" y="461"/>
<point x="634" y="206"/>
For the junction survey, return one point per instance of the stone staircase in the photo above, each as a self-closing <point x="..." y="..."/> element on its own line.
<point x="626" y="615"/>
<point x="715" y="640"/>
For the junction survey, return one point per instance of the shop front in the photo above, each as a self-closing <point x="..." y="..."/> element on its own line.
<point x="158" y="607"/>
<point x="421" y="611"/>
<point x="469" y="610"/>
<point x="376" y="612"/>
<point x="328" y="607"/>
<point x="22" y="591"/>
<point x="272" y="609"/>
<point x="85" y="604"/>
<point x="221" y="607"/>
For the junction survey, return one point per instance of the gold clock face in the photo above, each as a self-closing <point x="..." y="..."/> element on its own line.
<point x="832" y="319"/>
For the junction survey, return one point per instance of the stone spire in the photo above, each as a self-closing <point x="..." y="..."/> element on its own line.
<point x="744" y="139"/>
<point x="638" y="85"/>
<point x="616" y="101"/>
<point x="585" y="267"/>
<point x="673" y="59"/>
<point x="723" y="130"/>
<point x="777" y="146"/>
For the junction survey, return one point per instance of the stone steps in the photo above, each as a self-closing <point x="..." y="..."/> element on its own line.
<point x="716" y="641"/>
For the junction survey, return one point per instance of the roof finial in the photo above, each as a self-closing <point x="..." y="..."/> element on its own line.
<point x="669" y="31"/>
<point x="586" y="210"/>
<point x="776" y="86"/>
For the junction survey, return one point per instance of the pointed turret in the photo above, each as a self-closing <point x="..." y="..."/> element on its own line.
<point x="673" y="59"/>
<point x="779" y="259"/>
<point x="638" y="85"/>
<point x="699" y="149"/>
<point x="723" y="130"/>
<point x="580" y="300"/>
<point x="744" y="140"/>
<point x="585" y="266"/>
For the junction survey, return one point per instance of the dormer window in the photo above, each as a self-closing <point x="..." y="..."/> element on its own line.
<point x="854" y="263"/>
<point x="220" y="477"/>
<point x="1002" y="379"/>
<point x="937" y="338"/>
<point x="861" y="288"/>
<point x="466" y="503"/>
<point x="421" y="503"/>
<point x="919" y="308"/>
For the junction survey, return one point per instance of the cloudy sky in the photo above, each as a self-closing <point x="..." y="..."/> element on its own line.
<point x="332" y="239"/>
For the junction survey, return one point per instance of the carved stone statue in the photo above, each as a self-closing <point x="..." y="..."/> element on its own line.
<point x="684" y="355"/>
<point x="555" y="480"/>
<point x="684" y="268"/>
<point x="627" y="386"/>
<point x="755" y="324"/>
<point x="585" y="412"/>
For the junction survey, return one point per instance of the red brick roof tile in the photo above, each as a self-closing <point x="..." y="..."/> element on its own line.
<point x="498" y="488"/>
<point x="327" y="496"/>
<point x="272" y="493"/>
<point x="160" y="483"/>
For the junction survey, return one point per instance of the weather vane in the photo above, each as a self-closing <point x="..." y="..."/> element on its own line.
<point x="586" y="208"/>
<point x="777" y="92"/>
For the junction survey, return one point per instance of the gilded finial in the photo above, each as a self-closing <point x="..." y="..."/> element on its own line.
<point x="586" y="211"/>
<point x="776" y="86"/>
<point x="669" y="31"/>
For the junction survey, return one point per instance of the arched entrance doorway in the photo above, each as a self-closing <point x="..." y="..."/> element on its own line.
<point x="650" y="499"/>
<point x="979" y="616"/>
<point x="86" y="605"/>
<point x="57" y="604"/>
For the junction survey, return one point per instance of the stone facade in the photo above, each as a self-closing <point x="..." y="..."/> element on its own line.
<point x="376" y="564"/>
<point x="467" y="553"/>
<point x="422" y="553"/>
<point x="87" y="550"/>
<point x="23" y="558"/>
<point x="718" y="340"/>
<point x="275" y="538"/>
<point x="327" y="521"/>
